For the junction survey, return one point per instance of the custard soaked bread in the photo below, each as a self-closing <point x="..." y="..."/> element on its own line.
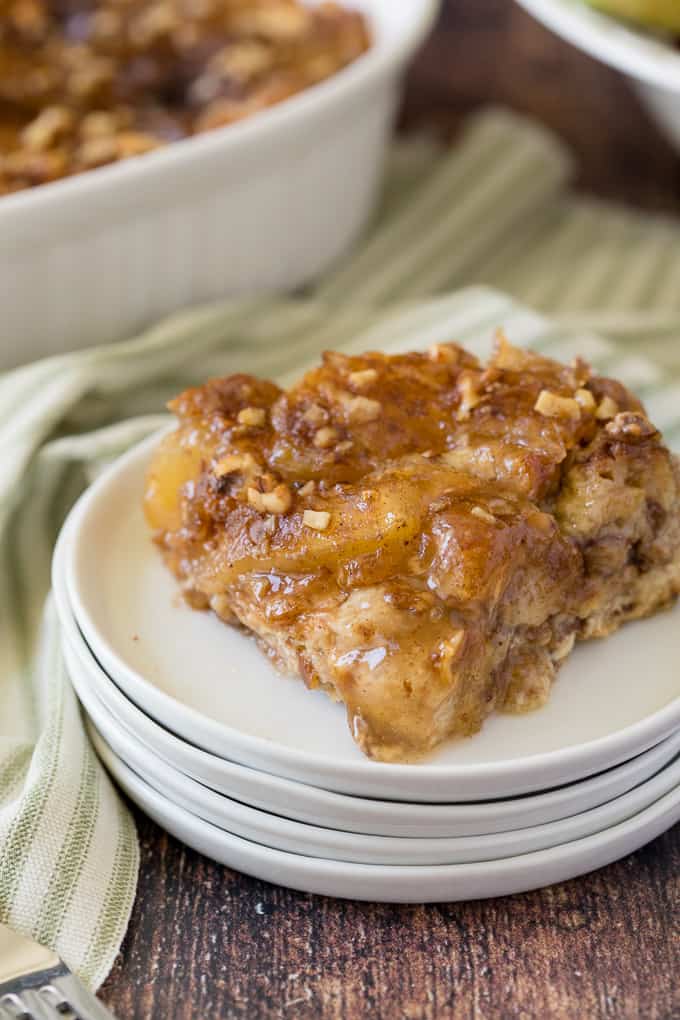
<point x="422" y="535"/>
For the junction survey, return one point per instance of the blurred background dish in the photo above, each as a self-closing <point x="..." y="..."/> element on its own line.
<point x="661" y="15"/>
<point x="651" y="61"/>
<point x="86" y="84"/>
<point x="263" y="204"/>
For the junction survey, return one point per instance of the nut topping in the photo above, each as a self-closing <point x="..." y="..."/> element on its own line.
<point x="470" y="395"/>
<point x="48" y="127"/>
<point x="279" y="501"/>
<point x="252" y="416"/>
<point x="325" y="438"/>
<point x="608" y="408"/>
<point x="361" y="410"/>
<point x="315" y="415"/>
<point x="631" y="425"/>
<point x="552" y="405"/>
<point x="585" y="399"/>
<point x="443" y="353"/>
<point x="233" y="463"/>
<point x="318" y="520"/>
<point x="363" y="377"/>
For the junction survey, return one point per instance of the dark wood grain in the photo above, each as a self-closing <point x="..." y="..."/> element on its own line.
<point x="490" y="52"/>
<point x="205" y="942"/>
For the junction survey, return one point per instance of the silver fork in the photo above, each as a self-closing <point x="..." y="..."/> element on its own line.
<point x="36" y="985"/>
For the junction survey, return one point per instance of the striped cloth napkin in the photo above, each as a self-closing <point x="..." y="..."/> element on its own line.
<point x="496" y="210"/>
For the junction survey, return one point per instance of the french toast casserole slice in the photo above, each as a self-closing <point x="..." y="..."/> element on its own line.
<point x="422" y="535"/>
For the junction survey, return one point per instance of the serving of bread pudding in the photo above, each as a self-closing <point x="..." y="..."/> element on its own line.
<point x="423" y="536"/>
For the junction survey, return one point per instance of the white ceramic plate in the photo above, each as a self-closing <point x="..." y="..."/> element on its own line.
<point x="119" y="720"/>
<point x="396" y="883"/>
<point x="312" y="840"/>
<point x="212" y="686"/>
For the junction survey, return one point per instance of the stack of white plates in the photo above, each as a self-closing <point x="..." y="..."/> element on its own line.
<point x="257" y="772"/>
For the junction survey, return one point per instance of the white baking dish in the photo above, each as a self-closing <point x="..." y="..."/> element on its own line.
<point x="265" y="204"/>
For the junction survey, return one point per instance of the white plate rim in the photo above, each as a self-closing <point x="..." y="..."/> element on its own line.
<point x="541" y="808"/>
<point x="554" y="768"/>
<point x="399" y="883"/>
<point x="424" y="781"/>
<point x="313" y="841"/>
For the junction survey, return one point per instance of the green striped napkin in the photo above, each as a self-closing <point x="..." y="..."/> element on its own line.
<point x="493" y="210"/>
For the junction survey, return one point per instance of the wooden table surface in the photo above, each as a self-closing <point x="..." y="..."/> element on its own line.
<point x="207" y="943"/>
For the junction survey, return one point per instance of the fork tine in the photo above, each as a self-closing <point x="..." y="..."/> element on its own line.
<point x="25" y="1006"/>
<point x="38" y="1009"/>
<point x="84" y="1004"/>
<point x="15" y="1006"/>
<point x="56" y="1002"/>
<point x="5" y="1012"/>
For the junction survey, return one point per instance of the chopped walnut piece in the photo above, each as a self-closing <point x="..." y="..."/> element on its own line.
<point x="344" y="447"/>
<point x="470" y="395"/>
<point x="315" y="415"/>
<point x="508" y="358"/>
<point x="153" y="23"/>
<point x="585" y="399"/>
<point x="135" y="143"/>
<point x="252" y="416"/>
<point x="325" y="438"/>
<point x="48" y="128"/>
<point x="278" y="501"/>
<point x="607" y="408"/>
<point x="483" y="515"/>
<point x="363" y="377"/>
<point x="316" y="519"/>
<point x="581" y="371"/>
<point x="443" y="353"/>
<point x="361" y="410"/>
<point x="99" y="124"/>
<point x="631" y="425"/>
<point x="243" y="61"/>
<point x="97" y="151"/>
<point x="552" y="405"/>
<point x="235" y="462"/>
<point x="280" y="22"/>
<point x="91" y="77"/>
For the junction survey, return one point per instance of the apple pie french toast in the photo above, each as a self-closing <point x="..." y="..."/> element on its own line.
<point x="421" y="535"/>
